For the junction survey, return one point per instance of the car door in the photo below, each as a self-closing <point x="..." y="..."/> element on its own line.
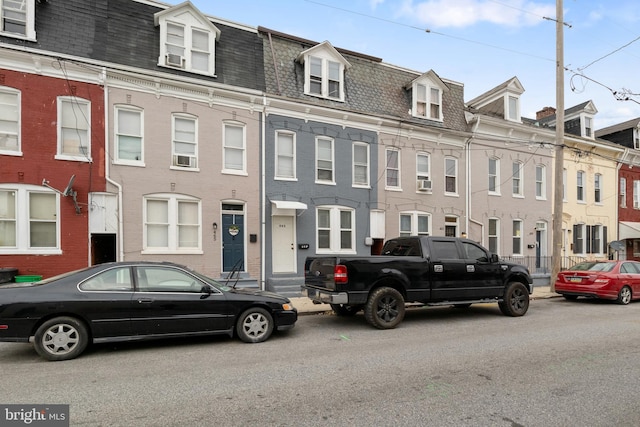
<point x="170" y="300"/>
<point x="483" y="277"/>
<point x="448" y="269"/>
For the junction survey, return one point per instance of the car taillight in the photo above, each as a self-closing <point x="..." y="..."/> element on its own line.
<point x="601" y="280"/>
<point x="340" y="274"/>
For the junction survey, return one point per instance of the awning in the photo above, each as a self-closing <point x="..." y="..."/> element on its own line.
<point x="288" y="204"/>
<point x="629" y="230"/>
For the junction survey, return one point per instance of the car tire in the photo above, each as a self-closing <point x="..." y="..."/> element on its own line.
<point x="624" y="296"/>
<point x="570" y="297"/>
<point x="344" y="310"/>
<point x="516" y="300"/>
<point x="61" y="338"/>
<point x="254" y="325"/>
<point x="385" y="308"/>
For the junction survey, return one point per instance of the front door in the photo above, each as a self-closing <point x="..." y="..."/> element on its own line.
<point x="283" y="245"/>
<point x="541" y="247"/>
<point x="232" y="242"/>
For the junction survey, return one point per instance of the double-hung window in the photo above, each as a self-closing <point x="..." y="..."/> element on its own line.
<point x="597" y="188"/>
<point x="541" y="183"/>
<point x="29" y="220"/>
<point x="579" y="235"/>
<point x="517" y="237"/>
<point x="9" y="121"/>
<point x="172" y="224"/>
<point x="494" y="175"/>
<point x="451" y="176"/>
<point x="17" y="18"/>
<point x="234" y="148"/>
<point x="74" y="128"/>
<point x="325" y="78"/>
<point x="129" y="135"/>
<point x="423" y="173"/>
<point x="184" y="141"/>
<point x="324" y="160"/>
<point x="494" y="235"/>
<point x="335" y="229"/>
<point x="285" y="155"/>
<point x="580" y="186"/>
<point x="415" y="224"/>
<point x="428" y="102"/>
<point x="360" y="164"/>
<point x="636" y="194"/>
<point x="623" y="192"/>
<point x="517" y="179"/>
<point x="392" y="169"/>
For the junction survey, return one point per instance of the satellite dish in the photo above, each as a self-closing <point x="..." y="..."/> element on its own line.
<point x="69" y="188"/>
<point x="617" y="245"/>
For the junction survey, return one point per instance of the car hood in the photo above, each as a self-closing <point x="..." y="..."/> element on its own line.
<point x="256" y="292"/>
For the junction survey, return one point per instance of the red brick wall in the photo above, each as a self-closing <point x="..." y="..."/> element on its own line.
<point x="39" y="146"/>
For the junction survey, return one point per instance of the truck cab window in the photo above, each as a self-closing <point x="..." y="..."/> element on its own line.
<point x="474" y="252"/>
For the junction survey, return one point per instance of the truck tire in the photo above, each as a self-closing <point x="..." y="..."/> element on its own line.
<point x="516" y="300"/>
<point x="384" y="308"/>
<point x="344" y="310"/>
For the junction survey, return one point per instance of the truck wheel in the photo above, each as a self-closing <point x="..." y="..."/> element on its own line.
<point x="344" y="310"/>
<point x="384" y="308"/>
<point x="516" y="300"/>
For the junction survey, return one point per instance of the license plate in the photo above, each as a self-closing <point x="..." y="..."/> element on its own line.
<point x="574" y="279"/>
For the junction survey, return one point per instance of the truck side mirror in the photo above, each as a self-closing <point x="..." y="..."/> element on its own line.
<point x="494" y="258"/>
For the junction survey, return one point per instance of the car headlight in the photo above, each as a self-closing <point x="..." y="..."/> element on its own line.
<point x="287" y="307"/>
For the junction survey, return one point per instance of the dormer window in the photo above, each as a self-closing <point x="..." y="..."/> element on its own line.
<point x="427" y="93"/>
<point x="187" y="40"/>
<point x="513" y="108"/>
<point x="324" y="70"/>
<point x="17" y="19"/>
<point x="588" y="127"/>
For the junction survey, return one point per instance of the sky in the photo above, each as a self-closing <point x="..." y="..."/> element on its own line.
<point x="479" y="43"/>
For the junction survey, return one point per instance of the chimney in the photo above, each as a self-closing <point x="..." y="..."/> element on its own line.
<point x="545" y="112"/>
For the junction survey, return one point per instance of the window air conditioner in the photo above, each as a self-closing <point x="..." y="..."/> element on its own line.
<point x="185" y="161"/>
<point x="424" y="185"/>
<point x="174" y="60"/>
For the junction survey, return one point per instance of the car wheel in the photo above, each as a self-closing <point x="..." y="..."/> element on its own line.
<point x="570" y="297"/>
<point x="516" y="300"/>
<point x="345" y="310"/>
<point x="255" y="325"/>
<point x="61" y="338"/>
<point x="624" y="296"/>
<point x="385" y="308"/>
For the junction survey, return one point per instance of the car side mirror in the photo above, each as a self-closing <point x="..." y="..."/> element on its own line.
<point x="494" y="258"/>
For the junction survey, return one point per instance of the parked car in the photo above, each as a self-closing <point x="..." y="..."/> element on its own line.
<point x="128" y="301"/>
<point x="612" y="280"/>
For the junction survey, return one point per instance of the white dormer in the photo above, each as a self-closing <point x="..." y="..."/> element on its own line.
<point x="187" y="39"/>
<point x="324" y="69"/>
<point x="501" y="101"/>
<point x="426" y="97"/>
<point x="17" y="19"/>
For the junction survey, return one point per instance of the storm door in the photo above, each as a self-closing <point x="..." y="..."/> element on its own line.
<point x="233" y="238"/>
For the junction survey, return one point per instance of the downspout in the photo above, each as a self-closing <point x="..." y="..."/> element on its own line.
<point x="617" y="217"/>
<point x="107" y="157"/>
<point x="263" y="197"/>
<point x="468" y="179"/>
<point x="275" y="66"/>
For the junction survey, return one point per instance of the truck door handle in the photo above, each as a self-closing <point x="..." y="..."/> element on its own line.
<point x="145" y="300"/>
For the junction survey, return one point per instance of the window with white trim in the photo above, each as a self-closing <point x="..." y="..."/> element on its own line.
<point x="234" y="148"/>
<point x="517" y="237"/>
<point x="324" y="77"/>
<point x="17" y="19"/>
<point x="9" y="121"/>
<point x="623" y="192"/>
<point x="636" y="194"/>
<point x="325" y="160"/>
<point x="579" y="234"/>
<point x="184" y="144"/>
<point x="415" y="224"/>
<point x="541" y="182"/>
<point x="172" y="223"/>
<point x="285" y="155"/>
<point x="336" y="229"/>
<point x="29" y="220"/>
<point x="392" y="169"/>
<point x="360" y="164"/>
<point x="588" y="127"/>
<point x="513" y="108"/>
<point x="564" y="185"/>
<point x="493" y="231"/>
<point x="597" y="188"/>
<point x="428" y="101"/>
<point x="494" y="175"/>
<point x="580" y="186"/>
<point x="129" y="135"/>
<point x="596" y="239"/>
<point x="517" y="179"/>
<point x="450" y="176"/>
<point x="423" y="172"/>
<point x="74" y="128"/>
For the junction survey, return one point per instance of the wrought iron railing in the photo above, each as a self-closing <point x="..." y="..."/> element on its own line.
<point x="543" y="264"/>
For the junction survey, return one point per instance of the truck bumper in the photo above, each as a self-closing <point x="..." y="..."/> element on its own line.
<point x="317" y="295"/>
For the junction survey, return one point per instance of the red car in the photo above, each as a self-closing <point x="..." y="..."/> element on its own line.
<point x="613" y="280"/>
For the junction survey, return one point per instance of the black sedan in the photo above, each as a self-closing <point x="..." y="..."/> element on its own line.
<point x="127" y="301"/>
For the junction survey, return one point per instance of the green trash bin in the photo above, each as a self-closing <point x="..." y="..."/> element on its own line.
<point x="28" y="278"/>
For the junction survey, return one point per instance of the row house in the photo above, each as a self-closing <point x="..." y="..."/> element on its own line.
<point x="131" y="134"/>
<point x="627" y="134"/>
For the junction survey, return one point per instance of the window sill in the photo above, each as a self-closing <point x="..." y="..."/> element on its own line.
<point x="518" y="196"/>
<point x="281" y="178"/>
<point x="494" y="193"/>
<point x="399" y="189"/>
<point x="325" y="182"/>
<point x="171" y="252"/>
<point x="178" y="168"/>
<point x="451" y="194"/>
<point x="86" y="159"/>
<point x="129" y="163"/>
<point x="14" y="251"/>
<point x="10" y="153"/>
<point x="234" y="172"/>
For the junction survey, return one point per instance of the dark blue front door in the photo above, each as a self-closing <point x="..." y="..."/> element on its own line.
<point x="232" y="242"/>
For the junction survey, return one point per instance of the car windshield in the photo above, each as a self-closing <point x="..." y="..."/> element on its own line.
<point x="593" y="266"/>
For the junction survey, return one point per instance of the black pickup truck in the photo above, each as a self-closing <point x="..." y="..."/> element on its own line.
<point x="419" y="269"/>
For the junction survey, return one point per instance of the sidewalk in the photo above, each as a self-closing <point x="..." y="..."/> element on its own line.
<point x="306" y="306"/>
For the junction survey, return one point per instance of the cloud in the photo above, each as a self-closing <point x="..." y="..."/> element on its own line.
<point x="374" y="3"/>
<point x="465" y="13"/>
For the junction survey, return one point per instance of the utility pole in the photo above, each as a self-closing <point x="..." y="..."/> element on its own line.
<point x="558" y="198"/>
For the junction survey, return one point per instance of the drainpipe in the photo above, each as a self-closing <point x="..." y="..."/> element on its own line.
<point x="617" y="216"/>
<point x="107" y="157"/>
<point x="468" y="186"/>
<point x="263" y="197"/>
